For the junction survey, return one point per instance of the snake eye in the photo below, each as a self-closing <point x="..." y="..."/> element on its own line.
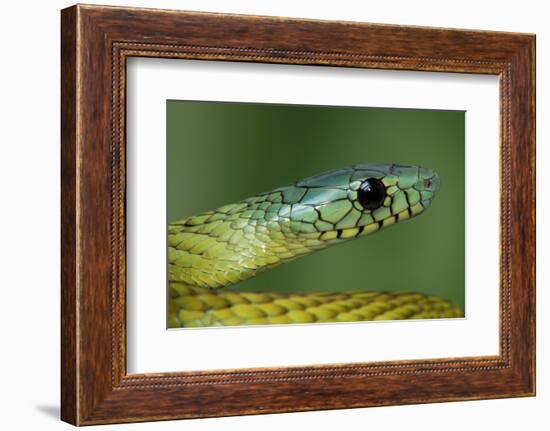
<point x="371" y="193"/>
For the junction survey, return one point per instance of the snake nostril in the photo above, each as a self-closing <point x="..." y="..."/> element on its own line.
<point x="428" y="183"/>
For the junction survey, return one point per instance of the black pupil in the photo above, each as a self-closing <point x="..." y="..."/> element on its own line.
<point x="371" y="193"/>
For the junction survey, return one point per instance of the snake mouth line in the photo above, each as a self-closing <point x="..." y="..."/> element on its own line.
<point x="356" y="232"/>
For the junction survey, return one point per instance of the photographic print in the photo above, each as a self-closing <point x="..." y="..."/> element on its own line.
<point x="293" y="214"/>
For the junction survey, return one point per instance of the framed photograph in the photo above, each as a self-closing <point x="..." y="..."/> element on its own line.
<point x="265" y="214"/>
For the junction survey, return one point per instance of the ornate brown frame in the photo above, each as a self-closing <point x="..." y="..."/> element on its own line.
<point x="95" y="43"/>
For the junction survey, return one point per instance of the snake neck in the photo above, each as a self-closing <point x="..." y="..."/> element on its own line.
<point x="235" y="242"/>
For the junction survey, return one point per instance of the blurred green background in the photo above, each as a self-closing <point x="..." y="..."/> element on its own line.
<point x="219" y="153"/>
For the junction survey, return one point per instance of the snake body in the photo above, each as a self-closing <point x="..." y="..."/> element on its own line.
<point x="216" y="249"/>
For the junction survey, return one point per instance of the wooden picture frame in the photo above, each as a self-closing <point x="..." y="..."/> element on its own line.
<point x="96" y="41"/>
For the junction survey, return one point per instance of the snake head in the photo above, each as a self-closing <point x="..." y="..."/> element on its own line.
<point x="355" y="201"/>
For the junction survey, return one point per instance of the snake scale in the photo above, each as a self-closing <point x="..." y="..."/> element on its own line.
<point x="211" y="251"/>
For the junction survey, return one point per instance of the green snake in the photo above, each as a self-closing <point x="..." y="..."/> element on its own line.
<point x="216" y="249"/>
